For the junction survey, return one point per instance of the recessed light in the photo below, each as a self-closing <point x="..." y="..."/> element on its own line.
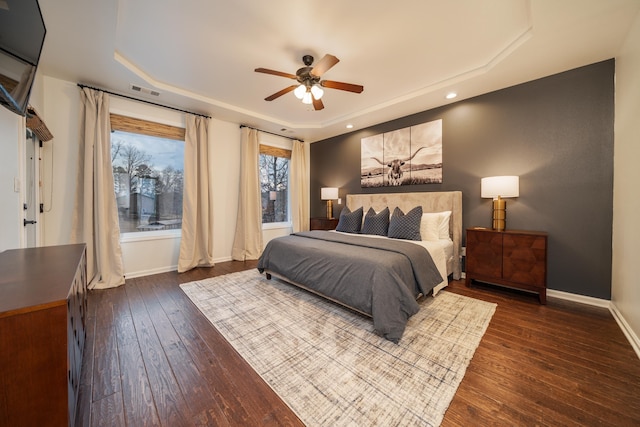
<point x="349" y="126"/>
<point x="451" y="95"/>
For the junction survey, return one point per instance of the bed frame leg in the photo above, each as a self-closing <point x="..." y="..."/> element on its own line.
<point x="268" y="276"/>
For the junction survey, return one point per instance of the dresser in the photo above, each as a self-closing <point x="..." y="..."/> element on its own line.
<point x="323" y="223"/>
<point x="513" y="258"/>
<point x="43" y="299"/>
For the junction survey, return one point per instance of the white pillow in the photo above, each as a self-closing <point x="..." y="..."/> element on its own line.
<point x="429" y="225"/>
<point x="443" y="228"/>
<point x="435" y="225"/>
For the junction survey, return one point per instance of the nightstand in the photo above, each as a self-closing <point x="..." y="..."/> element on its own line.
<point x="512" y="258"/>
<point x="323" y="224"/>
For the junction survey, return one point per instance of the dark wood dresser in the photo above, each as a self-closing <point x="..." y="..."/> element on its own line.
<point x="517" y="259"/>
<point x="323" y="224"/>
<point x="43" y="297"/>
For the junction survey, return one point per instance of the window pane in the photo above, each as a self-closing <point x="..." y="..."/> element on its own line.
<point x="274" y="183"/>
<point x="148" y="177"/>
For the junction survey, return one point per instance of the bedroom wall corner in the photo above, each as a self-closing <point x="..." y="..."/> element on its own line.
<point x="626" y="198"/>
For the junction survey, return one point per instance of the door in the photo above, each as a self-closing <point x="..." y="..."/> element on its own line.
<point x="31" y="204"/>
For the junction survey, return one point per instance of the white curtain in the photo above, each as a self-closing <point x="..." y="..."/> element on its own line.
<point x="247" y="243"/>
<point x="299" y="187"/>
<point x="196" y="244"/>
<point x="95" y="219"/>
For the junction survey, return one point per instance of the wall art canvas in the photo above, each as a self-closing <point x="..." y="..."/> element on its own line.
<point x="408" y="156"/>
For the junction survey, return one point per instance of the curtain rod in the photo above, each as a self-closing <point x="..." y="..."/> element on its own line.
<point x="270" y="133"/>
<point x="143" y="100"/>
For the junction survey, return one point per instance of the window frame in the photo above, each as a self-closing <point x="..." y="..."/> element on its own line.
<point x="125" y="123"/>
<point x="279" y="147"/>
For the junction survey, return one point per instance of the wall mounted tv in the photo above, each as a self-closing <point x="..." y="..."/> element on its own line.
<point x="22" y="34"/>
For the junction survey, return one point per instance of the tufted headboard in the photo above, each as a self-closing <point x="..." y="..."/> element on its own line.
<point x="430" y="202"/>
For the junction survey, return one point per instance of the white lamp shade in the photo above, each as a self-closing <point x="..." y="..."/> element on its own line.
<point x="317" y="91"/>
<point x="503" y="186"/>
<point x="299" y="91"/>
<point x="328" y="193"/>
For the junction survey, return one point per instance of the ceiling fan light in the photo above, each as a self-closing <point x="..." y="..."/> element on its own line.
<point x="299" y="91"/>
<point x="307" y="99"/>
<point x="317" y="91"/>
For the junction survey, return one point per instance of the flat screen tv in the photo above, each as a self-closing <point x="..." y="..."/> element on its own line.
<point x="22" y="33"/>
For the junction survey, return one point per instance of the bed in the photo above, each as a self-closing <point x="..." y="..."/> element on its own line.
<point x="376" y="276"/>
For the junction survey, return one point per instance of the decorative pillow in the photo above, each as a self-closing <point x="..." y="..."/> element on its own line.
<point x="376" y="223"/>
<point x="350" y="222"/>
<point x="435" y="225"/>
<point x="407" y="226"/>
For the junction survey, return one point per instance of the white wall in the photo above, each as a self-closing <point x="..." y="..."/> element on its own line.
<point x="148" y="254"/>
<point x="10" y="214"/>
<point x="625" y="291"/>
<point x="61" y="113"/>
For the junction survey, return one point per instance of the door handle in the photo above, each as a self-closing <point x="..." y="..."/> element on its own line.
<point x="26" y="222"/>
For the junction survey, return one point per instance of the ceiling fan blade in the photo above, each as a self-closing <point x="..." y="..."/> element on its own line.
<point x="342" y="86"/>
<point x="280" y="93"/>
<point x="317" y="104"/>
<point x="275" y="73"/>
<point x="324" y="64"/>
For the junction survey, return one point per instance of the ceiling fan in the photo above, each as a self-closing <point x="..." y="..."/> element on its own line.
<point x="309" y="87"/>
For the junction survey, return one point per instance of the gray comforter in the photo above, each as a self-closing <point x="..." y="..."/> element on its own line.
<point x="381" y="277"/>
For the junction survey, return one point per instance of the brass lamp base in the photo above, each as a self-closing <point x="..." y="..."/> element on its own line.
<point x="329" y="209"/>
<point x="499" y="214"/>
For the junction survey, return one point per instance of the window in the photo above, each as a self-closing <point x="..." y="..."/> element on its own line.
<point x="274" y="183"/>
<point x="148" y="173"/>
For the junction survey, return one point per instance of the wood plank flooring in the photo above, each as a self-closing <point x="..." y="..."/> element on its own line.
<point x="152" y="359"/>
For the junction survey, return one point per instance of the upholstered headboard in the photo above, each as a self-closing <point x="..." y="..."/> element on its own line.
<point x="430" y="202"/>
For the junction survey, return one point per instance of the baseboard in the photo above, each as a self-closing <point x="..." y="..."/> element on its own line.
<point x="582" y="299"/>
<point x="626" y="329"/>
<point x="597" y="302"/>
<point x="141" y="273"/>
<point x="166" y="269"/>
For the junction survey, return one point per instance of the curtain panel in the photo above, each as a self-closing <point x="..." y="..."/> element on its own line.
<point x="299" y="187"/>
<point x="247" y="243"/>
<point x="196" y="244"/>
<point x="95" y="217"/>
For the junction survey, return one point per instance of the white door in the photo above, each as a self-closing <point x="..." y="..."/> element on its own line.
<point x="31" y="204"/>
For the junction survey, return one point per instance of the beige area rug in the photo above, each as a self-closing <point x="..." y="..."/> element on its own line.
<point x="325" y="361"/>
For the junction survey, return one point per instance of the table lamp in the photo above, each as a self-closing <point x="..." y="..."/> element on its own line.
<point x="329" y="194"/>
<point x="498" y="188"/>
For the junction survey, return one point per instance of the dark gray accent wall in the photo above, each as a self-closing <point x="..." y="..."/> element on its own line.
<point x="556" y="133"/>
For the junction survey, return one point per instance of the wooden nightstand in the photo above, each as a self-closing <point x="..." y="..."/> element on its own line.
<point x="323" y="224"/>
<point x="513" y="258"/>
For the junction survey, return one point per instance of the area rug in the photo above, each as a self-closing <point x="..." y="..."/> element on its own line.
<point x="326" y="362"/>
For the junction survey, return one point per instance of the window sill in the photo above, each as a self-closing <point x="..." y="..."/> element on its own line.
<point x="150" y="235"/>
<point x="276" y="225"/>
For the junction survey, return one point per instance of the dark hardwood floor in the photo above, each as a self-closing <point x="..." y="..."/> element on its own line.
<point x="151" y="358"/>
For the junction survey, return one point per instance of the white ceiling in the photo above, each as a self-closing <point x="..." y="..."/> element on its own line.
<point x="201" y="55"/>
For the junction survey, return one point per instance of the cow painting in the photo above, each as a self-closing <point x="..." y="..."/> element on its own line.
<point x="406" y="156"/>
<point x="394" y="175"/>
